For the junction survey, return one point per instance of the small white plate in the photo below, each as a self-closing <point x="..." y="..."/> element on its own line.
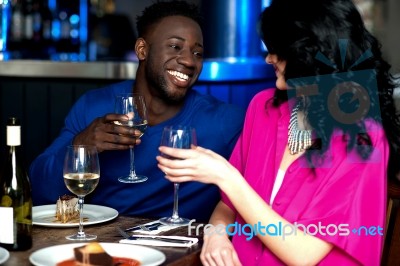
<point x="4" y="255"/>
<point x="52" y="255"/>
<point x="45" y="215"/>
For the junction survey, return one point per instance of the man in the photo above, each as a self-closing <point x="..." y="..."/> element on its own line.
<point x="169" y="48"/>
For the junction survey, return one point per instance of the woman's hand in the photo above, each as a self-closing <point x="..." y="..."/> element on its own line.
<point x="197" y="164"/>
<point x="218" y="250"/>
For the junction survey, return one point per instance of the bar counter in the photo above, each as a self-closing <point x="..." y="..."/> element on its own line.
<point x="54" y="69"/>
<point x="217" y="69"/>
<point x="106" y="232"/>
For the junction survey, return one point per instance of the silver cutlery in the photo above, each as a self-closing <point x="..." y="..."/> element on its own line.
<point x="158" y="238"/>
<point x="148" y="227"/>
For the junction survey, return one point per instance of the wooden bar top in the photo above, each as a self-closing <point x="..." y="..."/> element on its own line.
<point x="106" y="232"/>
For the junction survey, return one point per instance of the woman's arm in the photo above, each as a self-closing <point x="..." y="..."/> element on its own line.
<point x="217" y="248"/>
<point x="208" y="167"/>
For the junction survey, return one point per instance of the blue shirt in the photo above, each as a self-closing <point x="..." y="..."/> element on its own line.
<point x="217" y="124"/>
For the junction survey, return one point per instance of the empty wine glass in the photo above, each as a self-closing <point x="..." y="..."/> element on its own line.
<point x="182" y="137"/>
<point x="81" y="176"/>
<point x="134" y="106"/>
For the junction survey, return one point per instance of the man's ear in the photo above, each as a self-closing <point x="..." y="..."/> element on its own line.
<point x="141" y="48"/>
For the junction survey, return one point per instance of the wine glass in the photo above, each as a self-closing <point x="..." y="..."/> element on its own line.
<point x="134" y="106"/>
<point x="81" y="176"/>
<point x="182" y="137"/>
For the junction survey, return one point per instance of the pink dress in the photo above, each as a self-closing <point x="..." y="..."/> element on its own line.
<point x="345" y="196"/>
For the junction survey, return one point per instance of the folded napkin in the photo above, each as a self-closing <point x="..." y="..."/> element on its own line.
<point x="144" y="240"/>
<point x="160" y="229"/>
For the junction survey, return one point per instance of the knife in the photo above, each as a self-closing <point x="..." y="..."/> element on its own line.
<point x="158" y="238"/>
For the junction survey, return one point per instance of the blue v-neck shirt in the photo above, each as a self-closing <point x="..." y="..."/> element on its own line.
<point x="217" y="125"/>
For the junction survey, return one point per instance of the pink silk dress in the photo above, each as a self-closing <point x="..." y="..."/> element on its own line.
<point x="344" y="191"/>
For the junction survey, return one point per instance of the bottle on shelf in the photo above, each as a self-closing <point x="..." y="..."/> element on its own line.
<point x="15" y="194"/>
<point x="37" y="21"/>
<point x="28" y="20"/>
<point x="16" y="29"/>
<point x="47" y="42"/>
<point x="68" y="21"/>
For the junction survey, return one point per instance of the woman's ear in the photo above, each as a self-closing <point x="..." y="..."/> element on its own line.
<point x="141" y="48"/>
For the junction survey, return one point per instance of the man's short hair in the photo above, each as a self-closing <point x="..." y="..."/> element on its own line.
<point x="161" y="9"/>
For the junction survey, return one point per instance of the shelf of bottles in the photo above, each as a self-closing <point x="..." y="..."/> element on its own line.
<point x="44" y="29"/>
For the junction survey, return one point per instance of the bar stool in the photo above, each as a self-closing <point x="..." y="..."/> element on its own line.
<point x="391" y="249"/>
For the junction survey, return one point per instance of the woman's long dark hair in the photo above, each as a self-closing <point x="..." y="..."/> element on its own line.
<point x="326" y="40"/>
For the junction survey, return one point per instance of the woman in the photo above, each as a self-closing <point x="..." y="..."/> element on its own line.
<point x="309" y="170"/>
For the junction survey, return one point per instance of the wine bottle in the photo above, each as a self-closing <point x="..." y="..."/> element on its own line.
<point x="15" y="194"/>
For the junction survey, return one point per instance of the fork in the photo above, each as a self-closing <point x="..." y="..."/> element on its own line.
<point x="149" y="227"/>
<point x="159" y="238"/>
<point x="144" y="228"/>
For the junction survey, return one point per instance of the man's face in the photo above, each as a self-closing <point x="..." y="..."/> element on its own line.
<point x="175" y="57"/>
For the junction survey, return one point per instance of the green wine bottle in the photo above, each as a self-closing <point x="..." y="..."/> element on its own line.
<point x="15" y="194"/>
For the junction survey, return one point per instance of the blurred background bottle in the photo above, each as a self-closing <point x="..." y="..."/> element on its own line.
<point x="16" y="29"/>
<point x="46" y="29"/>
<point x="111" y="35"/>
<point x="15" y="194"/>
<point x="68" y="32"/>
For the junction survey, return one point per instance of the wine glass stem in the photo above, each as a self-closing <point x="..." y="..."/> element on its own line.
<point x="132" y="166"/>
<point x="175" y="211"/>
<point x="80" y="202"/>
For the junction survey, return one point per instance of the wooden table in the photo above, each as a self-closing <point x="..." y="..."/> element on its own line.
<point x="106" y="232"/>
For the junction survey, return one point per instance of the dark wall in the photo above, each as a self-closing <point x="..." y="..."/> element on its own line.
<point x="41" y="106"/>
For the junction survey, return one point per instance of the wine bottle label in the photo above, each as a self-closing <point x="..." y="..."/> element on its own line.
<point x="13" y="135"/>
<point x="6" y="225"/>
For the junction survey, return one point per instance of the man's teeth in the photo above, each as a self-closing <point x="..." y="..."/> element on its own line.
<point x="179" y="75"/>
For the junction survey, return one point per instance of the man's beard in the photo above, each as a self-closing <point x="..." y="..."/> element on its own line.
<point x="160" y="85"/>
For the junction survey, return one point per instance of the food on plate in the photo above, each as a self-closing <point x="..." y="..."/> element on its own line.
<point x="93" y="254"/>
<point x="67" y="209"/>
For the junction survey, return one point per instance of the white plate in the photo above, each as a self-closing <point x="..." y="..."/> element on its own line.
<point x="4" y="255"/>
<point x="45" y="215"/>
<point x="52" y="255"/>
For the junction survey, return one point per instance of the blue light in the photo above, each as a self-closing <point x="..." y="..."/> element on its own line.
<point x="266" y="3"/>
<point x="5" y="19"/>
<point x="214" y="70"/>
<point x="83" y="32"/>
<point x="243" y="21"/>
<point x="74" y="33"/>
<point x="56" y="29"/>
<point x="74" y="19"/>
<point x="52" y="5"/>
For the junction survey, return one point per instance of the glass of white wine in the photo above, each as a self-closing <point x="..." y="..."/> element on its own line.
<point x="181" y="137"/>
<point x="134" y="106"/>
<point x="81" y="176"/>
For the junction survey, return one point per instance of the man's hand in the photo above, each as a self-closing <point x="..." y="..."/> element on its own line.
<point x="105" y="134"/>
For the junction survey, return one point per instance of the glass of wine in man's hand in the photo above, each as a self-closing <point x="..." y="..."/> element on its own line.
<point x="132" y="105"/>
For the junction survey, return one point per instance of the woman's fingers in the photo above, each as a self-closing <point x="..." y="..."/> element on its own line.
<point x="199" y="164"/>
<point x="221" y="257"/>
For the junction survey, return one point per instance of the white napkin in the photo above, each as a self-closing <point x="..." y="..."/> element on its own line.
<point x="158" y="243"/>
<point x="160" y="229"/>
